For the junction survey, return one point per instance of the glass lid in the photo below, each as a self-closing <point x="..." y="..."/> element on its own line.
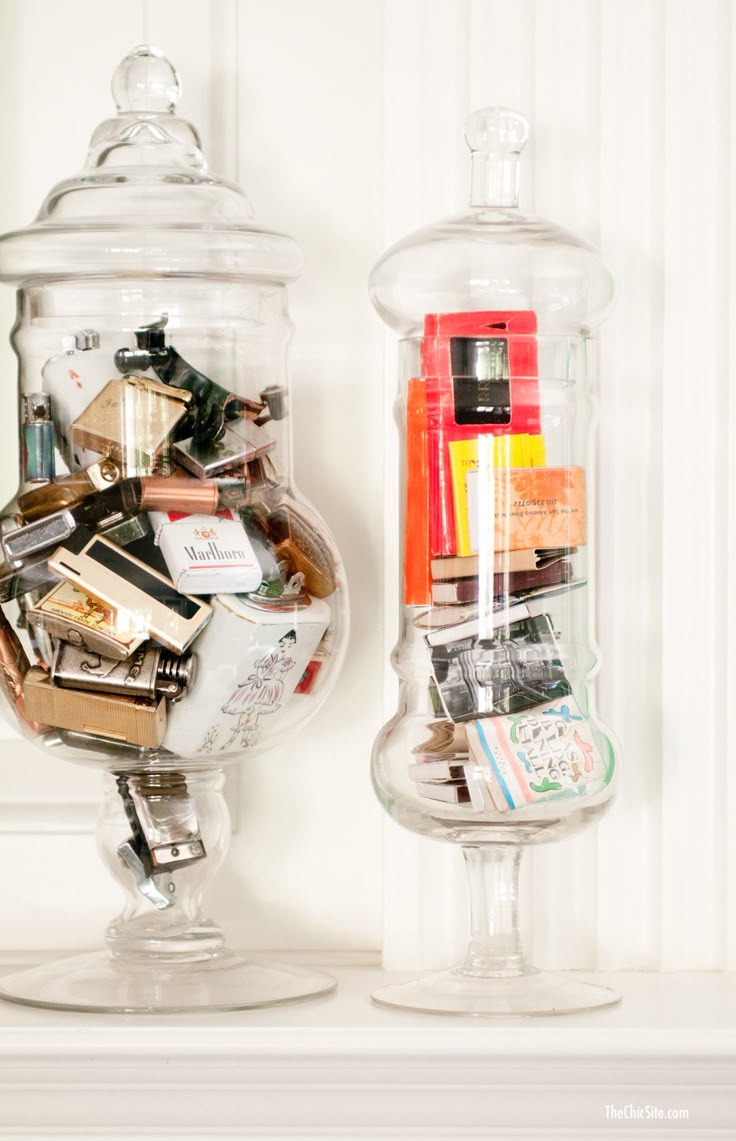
<point x="492" y="256"/>
<point x="145" y="201"/>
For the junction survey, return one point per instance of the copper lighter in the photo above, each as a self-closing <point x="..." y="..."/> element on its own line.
<point x="130" y="719"/>
<point x="14" y="666"/>
<point x="192" y="496"/>
<point x="300" y="545"/>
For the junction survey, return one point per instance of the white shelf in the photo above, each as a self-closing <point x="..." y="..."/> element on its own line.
<point x="340" y="1067"/>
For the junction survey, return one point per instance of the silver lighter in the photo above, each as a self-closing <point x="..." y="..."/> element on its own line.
<point x="107" y="509"/>
<point x="41" y="642"/>
<point x="240" y="444"/>
<point x="31" y="572"/>
<point x="25" y="542"/>
<point x="165" y="831"/>
<point x="275" y="398"/>
<point x="149" y="672"/>
<point x="129" y="530"/>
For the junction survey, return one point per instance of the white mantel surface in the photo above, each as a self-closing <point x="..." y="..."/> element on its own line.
<point x="342" y="1068"/>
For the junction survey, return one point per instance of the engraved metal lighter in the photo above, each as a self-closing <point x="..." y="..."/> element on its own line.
<point x="132" y="421"/>
<point x="149" y="672"/>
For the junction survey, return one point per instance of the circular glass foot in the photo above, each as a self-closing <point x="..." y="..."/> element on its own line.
<point x="97" y="981"/>
<point x="535" y="992"/>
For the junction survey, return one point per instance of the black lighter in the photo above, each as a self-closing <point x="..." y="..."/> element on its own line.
<point x="214" y="405"/>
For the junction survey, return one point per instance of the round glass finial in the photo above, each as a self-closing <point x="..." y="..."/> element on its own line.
<point x="496" y="130"/>
<point x="145" y="82"/>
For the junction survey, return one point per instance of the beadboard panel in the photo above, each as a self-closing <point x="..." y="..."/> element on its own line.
<point x="344" y="124"/>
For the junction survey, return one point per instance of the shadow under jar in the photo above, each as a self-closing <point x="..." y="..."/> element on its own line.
<point x="496" y="742"/>
<point x="168" y="602"/>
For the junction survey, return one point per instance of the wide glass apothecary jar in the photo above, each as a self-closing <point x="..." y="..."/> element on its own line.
<point x="169" y="604"/>
<point x="496" y="742"/>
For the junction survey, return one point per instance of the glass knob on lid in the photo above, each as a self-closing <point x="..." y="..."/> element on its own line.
<point x="147" y="130"/>
<point x="145" y="81"/>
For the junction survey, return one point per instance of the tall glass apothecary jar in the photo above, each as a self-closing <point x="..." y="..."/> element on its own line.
<point x="169" y="604"/>
<point x="496" y="743"/>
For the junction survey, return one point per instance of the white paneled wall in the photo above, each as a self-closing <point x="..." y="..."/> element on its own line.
<point x="344" y="124"/>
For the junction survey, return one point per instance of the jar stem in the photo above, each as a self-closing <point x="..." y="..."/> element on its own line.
<point x="162" y="921"/>
<point x="495" y="948"/>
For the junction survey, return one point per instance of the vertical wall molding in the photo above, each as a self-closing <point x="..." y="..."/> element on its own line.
<point x="629" y="590"/>
<point x="727" y="817"/>
<point x="695" y="209"/>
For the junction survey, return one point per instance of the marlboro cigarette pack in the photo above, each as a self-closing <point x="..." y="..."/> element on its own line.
<point x="207" y="554"/>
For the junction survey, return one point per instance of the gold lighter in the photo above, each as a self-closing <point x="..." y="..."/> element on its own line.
<point x="71" y="615"/>
<point x="107" y="572"/>
<point x="130" y="719"/>
<point x="68" y="490"/>
<point x="131" y="422"/>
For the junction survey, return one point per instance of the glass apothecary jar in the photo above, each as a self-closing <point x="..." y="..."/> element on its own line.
<point x="496" y="742"/>
<point x="169" y="603"/>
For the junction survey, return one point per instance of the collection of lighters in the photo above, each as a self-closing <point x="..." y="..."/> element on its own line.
<point x="168" y="593"/>
<point x="491" y="534"/>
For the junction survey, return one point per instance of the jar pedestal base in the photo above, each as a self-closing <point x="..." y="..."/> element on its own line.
<point x="99" y="982"/>
<point x="458" y="993"/>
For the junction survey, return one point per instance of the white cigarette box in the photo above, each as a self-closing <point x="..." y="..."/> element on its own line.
<point x="207" y="554"/>
<point x="251" y="660"/>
